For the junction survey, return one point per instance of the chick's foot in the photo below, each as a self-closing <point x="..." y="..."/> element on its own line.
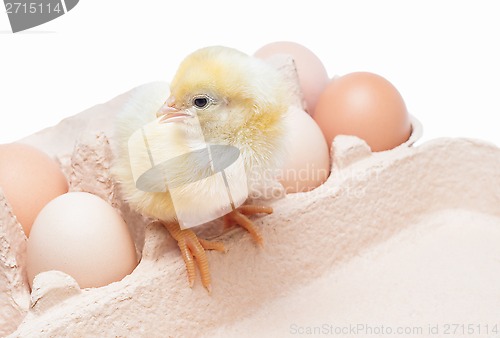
<point x="193" y="252"/>
<point x="239" y="217"/>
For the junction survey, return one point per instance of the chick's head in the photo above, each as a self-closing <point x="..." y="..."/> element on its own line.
<point x="238" y="99"/>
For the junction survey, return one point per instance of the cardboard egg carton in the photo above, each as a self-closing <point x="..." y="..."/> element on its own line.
<point x="405" y="238"/>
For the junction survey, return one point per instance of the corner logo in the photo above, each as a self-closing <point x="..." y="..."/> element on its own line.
<point x="27" y="14"/>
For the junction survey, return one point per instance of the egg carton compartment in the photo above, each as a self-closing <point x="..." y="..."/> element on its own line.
<point x="413" y="231"/>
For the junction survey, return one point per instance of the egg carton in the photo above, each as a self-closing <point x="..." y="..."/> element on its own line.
<point x="405" y="238"/>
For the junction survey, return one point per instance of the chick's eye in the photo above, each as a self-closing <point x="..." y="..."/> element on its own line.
<point x="200" y="102"/>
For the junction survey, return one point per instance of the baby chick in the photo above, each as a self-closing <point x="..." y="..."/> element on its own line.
<point x="238" y="100"/>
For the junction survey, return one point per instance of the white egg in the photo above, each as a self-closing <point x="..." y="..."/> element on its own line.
<point x="83" y="236"/>
<point x="308" y="163"/>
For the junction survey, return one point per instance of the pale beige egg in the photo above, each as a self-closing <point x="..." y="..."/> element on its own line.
<point x="83" y="236"/>
<point x="312" y="73"/>
<point x="308" y="163"/>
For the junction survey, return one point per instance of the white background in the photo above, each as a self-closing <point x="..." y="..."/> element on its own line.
<point x="443" y="56"/>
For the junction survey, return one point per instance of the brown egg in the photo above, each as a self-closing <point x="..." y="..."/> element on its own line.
<point x="311" y="72"/>
<point x="29" y="179"/>
<point x="365" y="105"/>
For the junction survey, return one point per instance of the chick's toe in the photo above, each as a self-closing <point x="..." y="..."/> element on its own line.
<point x="193" y="253"/>
<point x="239" y="217"/>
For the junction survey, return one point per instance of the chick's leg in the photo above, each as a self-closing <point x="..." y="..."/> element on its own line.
<point x="193" y="248"/>
<point x="239" y="216"/>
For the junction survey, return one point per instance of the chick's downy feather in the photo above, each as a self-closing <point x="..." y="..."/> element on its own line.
<point x="245" y="105"/>
<point x="139" y="110"/>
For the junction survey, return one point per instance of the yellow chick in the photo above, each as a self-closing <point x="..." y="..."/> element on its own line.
<point x="236" y="100"/>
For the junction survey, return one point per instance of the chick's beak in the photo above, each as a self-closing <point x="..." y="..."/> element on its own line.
<point x="169" y="113"/>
